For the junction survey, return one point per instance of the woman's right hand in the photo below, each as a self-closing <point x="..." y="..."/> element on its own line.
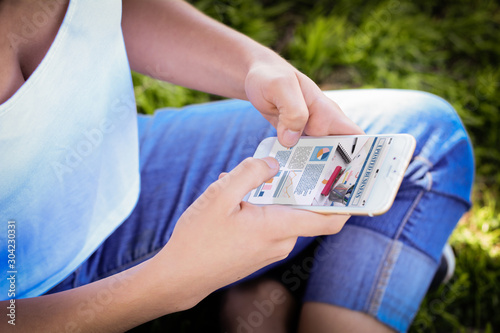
<point x="220" y="239"/>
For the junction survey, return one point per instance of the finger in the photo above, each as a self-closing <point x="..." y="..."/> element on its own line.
<point x="222" y="175"/>
<point x="298" y="222"/>
<point x="292" y="110"/>
<point x="245" y="177"/>
<point x="328" y="119"/>
<point x="325" y="116"/>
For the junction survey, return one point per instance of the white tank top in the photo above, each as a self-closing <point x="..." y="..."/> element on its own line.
<point x="69" y="170"/>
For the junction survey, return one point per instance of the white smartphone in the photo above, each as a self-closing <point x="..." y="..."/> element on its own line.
<point x="353" y="174"/>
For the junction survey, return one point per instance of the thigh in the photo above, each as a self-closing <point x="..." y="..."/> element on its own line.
<point x="442" y="163"/>
<point x="383" y="265"/>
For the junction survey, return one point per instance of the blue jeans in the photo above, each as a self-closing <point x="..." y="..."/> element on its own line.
<point x="378" y="265"/>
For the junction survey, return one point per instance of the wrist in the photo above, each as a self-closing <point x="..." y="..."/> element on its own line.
<point x="173" y="286"/>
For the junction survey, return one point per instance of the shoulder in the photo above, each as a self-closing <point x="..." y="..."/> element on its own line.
<point x="27" y="30"/>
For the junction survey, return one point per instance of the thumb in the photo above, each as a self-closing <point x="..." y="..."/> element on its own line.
<point x="293" y="114"/>
<point x="246" y="176"/>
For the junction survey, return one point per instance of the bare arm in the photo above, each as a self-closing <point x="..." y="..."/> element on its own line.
<point x="114" y="304"/>
<point x="170" y="40"/>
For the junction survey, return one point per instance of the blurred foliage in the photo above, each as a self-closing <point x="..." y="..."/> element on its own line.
<point x="151" y="94"/>
<point x="449" y="48"/>
<point x="251" y="18"/>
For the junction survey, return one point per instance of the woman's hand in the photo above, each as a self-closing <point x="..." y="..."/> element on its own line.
<point x="293" y="103"/>
<point x="220" y="239"/>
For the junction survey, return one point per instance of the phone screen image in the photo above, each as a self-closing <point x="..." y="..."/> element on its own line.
<point x="338" y="172"/>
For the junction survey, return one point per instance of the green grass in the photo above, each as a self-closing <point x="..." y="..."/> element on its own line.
<point x="450" y="48"/>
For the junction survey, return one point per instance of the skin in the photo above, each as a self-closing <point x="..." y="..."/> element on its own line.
<point x="163" y="39"/>
<point x="277" y="313"/>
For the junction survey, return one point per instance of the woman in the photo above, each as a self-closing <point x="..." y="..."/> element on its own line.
<point x="95" y="191"/>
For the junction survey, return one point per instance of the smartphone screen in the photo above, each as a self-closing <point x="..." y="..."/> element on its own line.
<point x="336" y="171"/>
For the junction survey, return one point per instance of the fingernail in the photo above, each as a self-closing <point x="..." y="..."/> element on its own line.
<point x="291" y="137"/>
<point x="273" y="164"/>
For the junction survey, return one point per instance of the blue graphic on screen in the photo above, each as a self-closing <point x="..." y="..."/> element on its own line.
<point x="320" y="154"/>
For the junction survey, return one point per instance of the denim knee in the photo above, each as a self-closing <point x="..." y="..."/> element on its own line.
<point x="443" y="146"/>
